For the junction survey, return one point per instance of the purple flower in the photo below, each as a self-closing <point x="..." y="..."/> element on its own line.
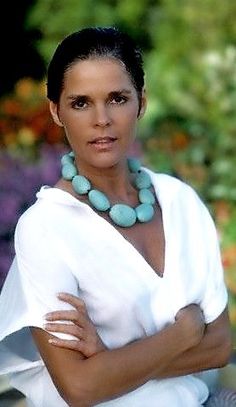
<point x="19" y="182"/>
<point x="6" y="257"/>
<point x="10" y="204"/>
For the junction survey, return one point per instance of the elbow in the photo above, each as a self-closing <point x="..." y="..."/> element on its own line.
<point x="75" y="400"/>
<point x="77" y="396"/>
<point x="224" y="351"/>
<point x="79" y="389"/>
<point x="226" y="354"/>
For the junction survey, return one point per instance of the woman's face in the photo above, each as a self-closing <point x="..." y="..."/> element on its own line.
<point x="98" y="109"/>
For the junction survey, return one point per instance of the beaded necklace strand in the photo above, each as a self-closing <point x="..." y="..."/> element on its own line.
<point x="121" y="214"/>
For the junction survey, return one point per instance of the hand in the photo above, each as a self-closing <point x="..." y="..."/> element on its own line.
<point x="88" y="341"/>
<point x="192" y="323"/>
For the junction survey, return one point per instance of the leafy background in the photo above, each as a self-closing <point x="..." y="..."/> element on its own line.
<point x="189" y="129"/>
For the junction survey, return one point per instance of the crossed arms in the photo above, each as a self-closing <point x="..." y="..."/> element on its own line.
<point x="85" y="372"/>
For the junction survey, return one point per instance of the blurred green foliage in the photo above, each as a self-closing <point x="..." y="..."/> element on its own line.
<point x="190" y="57"/>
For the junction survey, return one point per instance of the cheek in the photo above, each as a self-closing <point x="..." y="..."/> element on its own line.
<point x="73" y="123"/>
<point x="129" y="118"/>
<point x="130" y="121"/>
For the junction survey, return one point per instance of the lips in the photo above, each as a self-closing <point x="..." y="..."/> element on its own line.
<point x="103" y="140"/>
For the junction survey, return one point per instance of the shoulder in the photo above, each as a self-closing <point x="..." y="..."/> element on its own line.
<point x="180" y="198"/>
<point x="31" y="230"/>
<point x="36" y="215"/>
<point x="31" y="218"/>
<point x="173" y="187"/>
<point x="51" y="208"/>
<point x="35" y="223"/>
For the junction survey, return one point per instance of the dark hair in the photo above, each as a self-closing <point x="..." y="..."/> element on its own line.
<point x="94" y="42"/>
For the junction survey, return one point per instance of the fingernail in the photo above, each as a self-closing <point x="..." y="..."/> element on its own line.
<point x="61" y="295"/>
<point x="52" y="340"/>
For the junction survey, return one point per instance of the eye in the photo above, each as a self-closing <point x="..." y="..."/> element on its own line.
<point x="118" y="99"/>
<point x="79" y="103"/>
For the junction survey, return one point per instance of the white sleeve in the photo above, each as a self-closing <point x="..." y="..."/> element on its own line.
<point x="37" y="274"/>
<point x="40" y="273"/>
<point x="215" y="295"/>
<point x="204" y="252"/>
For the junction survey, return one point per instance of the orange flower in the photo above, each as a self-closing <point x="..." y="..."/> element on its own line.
<point x="222" y="211"/>
<point x="9" y="139"/>
<point x="179" y="140"/>
<point x="54" y="134"/>
<point x="229" y="264"/>
<point x="25" y="88"/>
<point x="229" y="256"/>
<point x="11" y="107"/>
<point x="39" y="120"/>
<point x="4" y="126"/>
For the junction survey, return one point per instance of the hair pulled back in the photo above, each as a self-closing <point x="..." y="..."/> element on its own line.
<point x="94" y="42"/>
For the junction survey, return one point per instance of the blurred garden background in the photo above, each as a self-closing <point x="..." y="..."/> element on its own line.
<point x="189" y="129"/>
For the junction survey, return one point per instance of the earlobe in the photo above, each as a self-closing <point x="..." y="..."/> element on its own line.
<point x="54" y="112"/>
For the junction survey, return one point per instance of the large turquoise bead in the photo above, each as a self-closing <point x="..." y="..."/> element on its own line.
<point x="146" y="196"/>
<point x="71" y="154"/>
<point x="143" y="180"/>
<point x="123" y="215"/>
<point x="98" y="200"/>
<point x="144" y="212"/>
<point x="68" y="171"/>
<point x="81" y="184"/>
<point x="66" y="159"/>
<point x="133" y="164"/>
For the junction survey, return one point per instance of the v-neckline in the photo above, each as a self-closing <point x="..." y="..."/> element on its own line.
<point x="125" y="242"/>
<point x="129" y="247"/>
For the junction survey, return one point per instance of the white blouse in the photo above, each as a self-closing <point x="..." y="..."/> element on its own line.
<point x="63" y="245"/>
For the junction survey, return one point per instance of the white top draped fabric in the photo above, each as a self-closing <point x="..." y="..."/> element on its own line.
<point x="62" y="244"/>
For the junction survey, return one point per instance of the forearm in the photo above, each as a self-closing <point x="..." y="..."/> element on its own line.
<point x="213" y="351"/>
<point x="163" y="356"/>
<point x="112" y="373"/>
<point x="201" y="357"/>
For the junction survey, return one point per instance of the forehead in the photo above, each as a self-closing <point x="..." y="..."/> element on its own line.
<point x="106" y="73"/>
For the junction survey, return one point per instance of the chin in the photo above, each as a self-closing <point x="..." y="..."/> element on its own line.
<point x="108" y="160"/>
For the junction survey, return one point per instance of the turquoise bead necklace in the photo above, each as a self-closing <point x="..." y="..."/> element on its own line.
<point x="121" y="214"/>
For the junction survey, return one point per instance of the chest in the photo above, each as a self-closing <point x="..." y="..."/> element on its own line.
<point x="149" y="240"/>
<point x="111" y="266"/>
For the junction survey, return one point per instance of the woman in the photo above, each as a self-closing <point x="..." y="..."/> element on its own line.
<point x="138" y="248"/>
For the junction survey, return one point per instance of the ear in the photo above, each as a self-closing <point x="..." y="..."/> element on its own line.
<point x="143" y="105"/>
<point x="54" y="112"/>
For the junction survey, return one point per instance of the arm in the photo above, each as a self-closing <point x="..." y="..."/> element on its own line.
<point x="110" y="373"/>
<point x="213" y="351"/>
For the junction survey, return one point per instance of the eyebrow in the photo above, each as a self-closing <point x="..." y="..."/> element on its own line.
<point x="114" y="92"/>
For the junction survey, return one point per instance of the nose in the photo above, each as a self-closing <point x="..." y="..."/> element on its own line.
<point x="102" y="117"/>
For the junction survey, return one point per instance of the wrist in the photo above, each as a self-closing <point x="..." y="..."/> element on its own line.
<point x="186" y="337"/>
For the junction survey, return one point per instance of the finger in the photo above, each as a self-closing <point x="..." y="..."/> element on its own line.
<point x="67" y="315"/>
<point x="78" y="346"/>
<point x="64" y="343"/>
<point x="72" y="300"/>
<point x="72" y="315"/>
<point x="65" y="328"/>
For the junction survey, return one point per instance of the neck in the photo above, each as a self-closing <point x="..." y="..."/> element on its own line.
<point x="115" y="182"/>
